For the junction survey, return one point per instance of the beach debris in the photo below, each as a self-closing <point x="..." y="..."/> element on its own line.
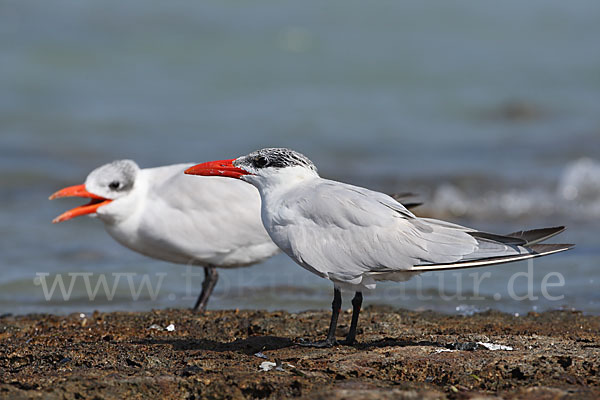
<point x="260" y="354"/>
<point x="267" y="365"/>
<point x="169" y="328"/>
<point x="438" y="351"/>
<point x="471" y="346"/>
<point x="464" y="346"/>
<point x="278" y="365"/>
<point x="493" y="346"/>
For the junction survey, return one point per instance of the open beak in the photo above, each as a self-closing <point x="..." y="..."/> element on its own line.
<point x="217" y="168"/>
<point x="78" y="191"/>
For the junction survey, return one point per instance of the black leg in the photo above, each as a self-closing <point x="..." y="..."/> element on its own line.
<point x="356" y="304"/>
<point x="211" y="276"/>
<point x="335" y="312"/>
<point x="336" y="304"/>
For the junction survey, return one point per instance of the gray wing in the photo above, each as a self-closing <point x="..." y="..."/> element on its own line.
<point x="342" y="232"/>
<point x="345" y="233"/>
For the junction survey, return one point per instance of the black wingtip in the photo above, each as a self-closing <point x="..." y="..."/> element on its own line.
<point x="535" y="236"/>
<point x="410" y="206"/>
<point x="545" y="248"/>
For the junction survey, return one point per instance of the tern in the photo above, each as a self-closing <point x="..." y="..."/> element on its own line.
<point x="164" y="214"/>
<point x="355" y="236"/>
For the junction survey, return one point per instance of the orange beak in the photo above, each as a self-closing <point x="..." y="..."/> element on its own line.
<point x="217" y="168"/>
<point x="78" y="191"/>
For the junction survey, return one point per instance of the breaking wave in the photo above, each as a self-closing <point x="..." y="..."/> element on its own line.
<point x="575" y="195"/>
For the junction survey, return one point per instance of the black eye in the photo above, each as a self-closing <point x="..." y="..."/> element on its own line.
<point x="260" y="162"/>
<point x="114" y="185"/>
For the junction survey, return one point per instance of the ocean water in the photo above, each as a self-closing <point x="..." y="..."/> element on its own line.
<point x="488" y="111"/>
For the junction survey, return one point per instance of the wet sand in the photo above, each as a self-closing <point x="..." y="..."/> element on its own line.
<point x="399" y="354"/>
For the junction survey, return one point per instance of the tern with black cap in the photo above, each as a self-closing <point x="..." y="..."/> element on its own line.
<point x="356" y="237"/>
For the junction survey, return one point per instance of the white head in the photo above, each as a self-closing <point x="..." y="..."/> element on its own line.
<point x="261" y="168"/>
<point x="108" y="187"/>
<point x="112" y="180"/>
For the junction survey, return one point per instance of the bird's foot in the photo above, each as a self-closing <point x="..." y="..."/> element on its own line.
<point x="319" y="344"/>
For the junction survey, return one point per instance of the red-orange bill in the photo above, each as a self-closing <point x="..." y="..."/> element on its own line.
<point x="74" y="191"/>
<point x="217" y="168"/>
<point x="78" y="191"/>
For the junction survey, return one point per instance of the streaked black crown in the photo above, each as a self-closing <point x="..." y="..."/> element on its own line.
<point x="278" y="158"/>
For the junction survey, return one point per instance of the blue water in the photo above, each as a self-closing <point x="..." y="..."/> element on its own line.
<point x="489" y="111"/>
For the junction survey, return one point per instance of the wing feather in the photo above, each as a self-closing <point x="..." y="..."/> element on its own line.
<point x="348" y="233"/>
<point x="343" y="232"/>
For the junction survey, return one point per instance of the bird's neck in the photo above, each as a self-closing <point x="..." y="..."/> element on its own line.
<point x="281" y="180"/>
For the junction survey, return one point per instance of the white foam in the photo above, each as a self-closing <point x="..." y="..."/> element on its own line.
<point x="580" y="180"/>
<point x="575" y="193"/>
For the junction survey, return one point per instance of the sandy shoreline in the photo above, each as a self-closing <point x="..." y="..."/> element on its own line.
<point x="399" y="354"/>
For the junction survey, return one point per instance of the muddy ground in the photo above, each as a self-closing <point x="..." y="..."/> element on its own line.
<point x="399" y="354"/>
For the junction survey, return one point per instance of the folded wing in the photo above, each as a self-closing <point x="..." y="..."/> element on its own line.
<point x="345" y="233"/>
